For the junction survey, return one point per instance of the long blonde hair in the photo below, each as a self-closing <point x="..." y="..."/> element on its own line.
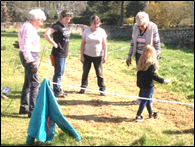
<point x="148" y="58"/>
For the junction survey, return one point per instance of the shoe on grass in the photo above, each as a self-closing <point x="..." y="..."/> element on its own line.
<point x="139" y="118"/>
<point x="102" y="93"/>
<point x="82" y="91"/>
<point x="60" y="93"/>
<point x="154" y="115"/>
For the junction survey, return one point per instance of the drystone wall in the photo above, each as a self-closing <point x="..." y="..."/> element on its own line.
<point x="176" y="36"/>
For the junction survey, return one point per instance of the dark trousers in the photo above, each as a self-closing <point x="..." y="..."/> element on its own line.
<point x="30" y="86"/>
<point x="97" y="62"/>
<point x="137" y="56"/>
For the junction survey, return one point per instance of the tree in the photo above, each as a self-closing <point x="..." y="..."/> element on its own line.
<point x="133" y="8"/>
<point x="122" y="13"/>
<point x="169" y="13"/>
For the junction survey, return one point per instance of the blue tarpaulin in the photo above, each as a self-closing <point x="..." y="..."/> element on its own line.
<point x="46" y="115"/>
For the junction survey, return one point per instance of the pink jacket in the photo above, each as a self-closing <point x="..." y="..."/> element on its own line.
<point x="28" y="39"/>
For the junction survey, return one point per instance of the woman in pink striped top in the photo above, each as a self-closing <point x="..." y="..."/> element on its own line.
<point x="144" y="33"/>
<point x="29" y="47"/>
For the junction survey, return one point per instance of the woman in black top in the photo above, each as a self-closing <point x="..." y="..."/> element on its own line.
<point x="60" y="42"/>
<point x="146" y="67"/>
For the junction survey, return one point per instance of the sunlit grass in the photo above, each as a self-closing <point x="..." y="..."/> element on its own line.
<point x="111" y="123"/>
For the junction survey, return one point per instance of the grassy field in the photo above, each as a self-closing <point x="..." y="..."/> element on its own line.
<point x="105" y="121"/>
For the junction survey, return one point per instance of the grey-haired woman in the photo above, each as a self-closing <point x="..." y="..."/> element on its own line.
<point x="29" y="47"/>
<point x="144" y="33"/>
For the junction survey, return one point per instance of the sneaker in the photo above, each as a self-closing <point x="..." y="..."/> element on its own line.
<point x="102" y="93"/>
<point x="82" y="91"/>
<point x="139" y="118"/>
<point x="154" y="115"/>
<point x="138" y="101"/>
<point x="60" y="93"/>
<point x="29" y="114"/>
<point x="23" y="111"/>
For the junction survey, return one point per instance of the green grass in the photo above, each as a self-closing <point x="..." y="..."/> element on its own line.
<point x="110" y="123"/>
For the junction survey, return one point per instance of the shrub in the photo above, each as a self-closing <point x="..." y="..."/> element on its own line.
<point x="129" y="20"/>
<point x="81" y="20"/>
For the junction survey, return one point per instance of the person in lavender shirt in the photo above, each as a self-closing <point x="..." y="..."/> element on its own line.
<point x="29" y="48"/>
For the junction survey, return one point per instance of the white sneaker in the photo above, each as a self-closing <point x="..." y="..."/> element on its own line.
<point x="138" y="101"/>
<point x="139" y="118"/>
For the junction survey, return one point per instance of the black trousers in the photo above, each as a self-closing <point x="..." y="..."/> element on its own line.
<point x="97" y="62"/>
<point x="30" y="86"/>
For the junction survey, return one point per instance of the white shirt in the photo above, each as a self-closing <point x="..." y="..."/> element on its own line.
<point x="93" y="46"/>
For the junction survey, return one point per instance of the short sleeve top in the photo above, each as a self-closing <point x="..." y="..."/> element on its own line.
<point x="93" y="46"/>
<point x="61" y="36"/>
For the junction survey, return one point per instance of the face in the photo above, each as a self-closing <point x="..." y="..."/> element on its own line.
<point x="95" y="25"/>
<point x="66" y="20"/>
<point x="142" y="27"/>
<point x="38" y="23"/>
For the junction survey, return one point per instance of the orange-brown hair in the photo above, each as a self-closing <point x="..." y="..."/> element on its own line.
<point x="148" y="58"/>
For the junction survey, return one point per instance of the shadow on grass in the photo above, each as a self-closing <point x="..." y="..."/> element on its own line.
<point x="14" y="115"/>
<point x="94" y="102"/>
<point x="3" y="144"/>
<point x="97" y="118"/>
<point x="16" y="94"/>
<point x="140" y="142"/>
<point x="37" y="143"/>
<point x="187" y="131"/>
<point x="182" y="48"/>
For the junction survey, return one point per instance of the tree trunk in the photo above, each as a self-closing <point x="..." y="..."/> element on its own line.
<point x="122" y="13"/>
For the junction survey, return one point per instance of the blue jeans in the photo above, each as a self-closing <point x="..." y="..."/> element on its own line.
<point x="31" y="85"/>
<point x="146" y="93"/>
<point x="59" y="69"/>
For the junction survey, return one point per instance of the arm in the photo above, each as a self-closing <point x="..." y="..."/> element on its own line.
<point x="25" y="39"/>
<point x="82" y="49"/>
<point x="128" y="60"/>
<point x="153" y="75"/>
<point x="47" y="36"/>
<point x="156" y="77"/>
<point x="105" y="49"/>
<point x="156" y="40"/>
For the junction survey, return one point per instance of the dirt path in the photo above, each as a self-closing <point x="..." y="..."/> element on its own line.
<point x="92" y="109"/>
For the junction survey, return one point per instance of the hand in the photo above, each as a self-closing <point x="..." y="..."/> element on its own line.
<point x="34" y="68"/>
<point x="128" y="61"/>
<point x="56" y="45"/>
<point x="104" y="60"/>
<point x="167" y="81"/>
<point x="16" y="44"/>
<point x="82" y="59"/>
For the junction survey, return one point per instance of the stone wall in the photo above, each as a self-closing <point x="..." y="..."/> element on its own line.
<point x="176" y="36"/>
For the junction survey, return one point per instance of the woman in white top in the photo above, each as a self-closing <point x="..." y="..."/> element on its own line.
<point x="93" y="50"/>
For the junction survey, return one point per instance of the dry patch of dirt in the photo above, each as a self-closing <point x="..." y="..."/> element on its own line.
<point x="94" y="110"/>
